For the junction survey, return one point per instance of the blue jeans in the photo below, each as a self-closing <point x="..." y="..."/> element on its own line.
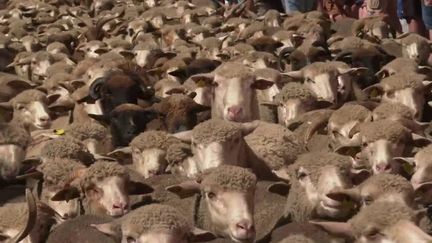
<point x="299" y="5"/>
<point x="427" y="15"/>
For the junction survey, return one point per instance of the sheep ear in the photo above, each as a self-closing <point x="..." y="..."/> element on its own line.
<point x="374" y="91"/>
<point x="348" y="150"/>
<point x="336" y="228"/>
<point x="409" y="160"/>
<point x="352" y="194"/>
<point x="66" y="194"/>
<point x="354" y="71"/>
<point x="20" y="84"/>
<point x="185" y="136"/>
<point x="262" y="84"/>
<point x="100" y="118"/>
<point x="185" y="189"/>
<point x="6" y="105"/>
<point x="121" y="153"/>
<point x="197" y="108"/>
<point x="205" y="79"/>
<point x="420" y="141"/>
<point x="280" y="188"/>
<point x="249" y="127"/>
<point x="107" y="228"/>
<point x="177" y="90"/>
<point x="138" y="188"/>
<point x="199" y="235"/>
<point x="297" y="75"/>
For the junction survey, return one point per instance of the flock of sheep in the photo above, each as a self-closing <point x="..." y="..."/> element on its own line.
<point x="164" y="121"/>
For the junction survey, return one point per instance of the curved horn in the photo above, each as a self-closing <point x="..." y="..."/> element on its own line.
<point x="282" y="54"/>
<point x="31" y="221"/>
<point x="316" y="124"/>
<point x="95" y="88"/>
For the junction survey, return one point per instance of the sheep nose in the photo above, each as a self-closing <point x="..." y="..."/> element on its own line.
<point x="383" y="167"/>
<point x="234" y="112"/>
<point x="44" y="119"/>
<point x="120" y="205"/>
<point x="244" y="229"/>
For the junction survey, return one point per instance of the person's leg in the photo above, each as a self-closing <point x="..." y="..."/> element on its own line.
<point x="413" y="14"/>
<point x="427" y="15"/>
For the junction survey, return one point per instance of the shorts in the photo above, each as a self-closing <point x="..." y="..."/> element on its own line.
<point x="409" y="9"/>
<point x="427" y="14"/>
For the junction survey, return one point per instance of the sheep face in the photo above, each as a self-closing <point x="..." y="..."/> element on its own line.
<point x="331" y="82"/>
<point x="234" y="96"/>
<point x="34" y="114"/>
<point x="421" y="179"/>
<point x="214" y="154"/>
<point x="12" y="155"/>
<point x="66" y="209"/>
<point x="291" y="109"/>
<point x="328" y="178"/>
<point x="108" y="196"/>
<point x="232" y="212"/>
<point x="415" y="47"/>
<point x="387" y="188"/>
<point x="117" y="89"/>
<point x="381" y="153"/>
<point x="413" y="98"/>
<point x="149" y="162"/>
<point x="341" y="133"/>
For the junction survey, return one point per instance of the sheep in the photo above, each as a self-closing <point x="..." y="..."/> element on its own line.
<point x="13" y="143"/>
<point x="272" y="147"/>
<point x="312" y="176"/>
<point x="155" y="152"/>
<point x="329" y="81"/>
<point x="216" y="142"/>
<point x="122" y="87"/>
<point x="11" y="85"/>
<point x="382" y="141"/>
<point x="406" y="88"/>
<point x="156" y="223"/>
<point x="180" y="112"/>
<point x="103" y="188"/>
<point x="343" y="120"/>
<point x="57" y="174"/>
<point x="420" y="179"/>
<point x="29" y="109"/>
<point x="19" y="219"/>
<point x="382" y="187"/>
<point x="302" y="233"/>
<point x="234" y="96"/>
<point x="372" y="28"/>
<point x="415" y="47"/>
<point x="126" y="121"/>
<point x="400" y="113"/>
<point x="293" y="100"/>
<point x="399" y="64"/>
<point x="67" y="148"/>
<point x="95" y="136"/>
<point x="228" y="187"/>
<point x="385" y="221"/>
<point x="79" y="229"/>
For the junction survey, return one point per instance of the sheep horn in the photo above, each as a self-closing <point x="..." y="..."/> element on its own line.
<point x="32" y="215"/>
<point x="94" y="89"/>
<point x="317" y="124"/>
<point x="282" y="54"/>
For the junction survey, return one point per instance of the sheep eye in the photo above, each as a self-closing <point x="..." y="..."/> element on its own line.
<point x="367" y="200"/>
<point x="364" y="145"/>
<point x="211" y="195"/>
<point x="336" y="134"/>
<point x="301" y="175"/>
<point x="310" y="80"/>
<point x="130" y="239"/>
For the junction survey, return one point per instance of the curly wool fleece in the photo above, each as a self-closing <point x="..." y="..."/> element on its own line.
<point x="155" y="217"/>
<point x="230" y="177"/>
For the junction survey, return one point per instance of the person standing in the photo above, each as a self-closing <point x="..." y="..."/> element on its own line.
<point x="302" y="6"/>
<point x="427" y="15"/>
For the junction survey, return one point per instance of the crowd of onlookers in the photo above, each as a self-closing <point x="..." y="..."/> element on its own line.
<point x="403" y="15"/>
